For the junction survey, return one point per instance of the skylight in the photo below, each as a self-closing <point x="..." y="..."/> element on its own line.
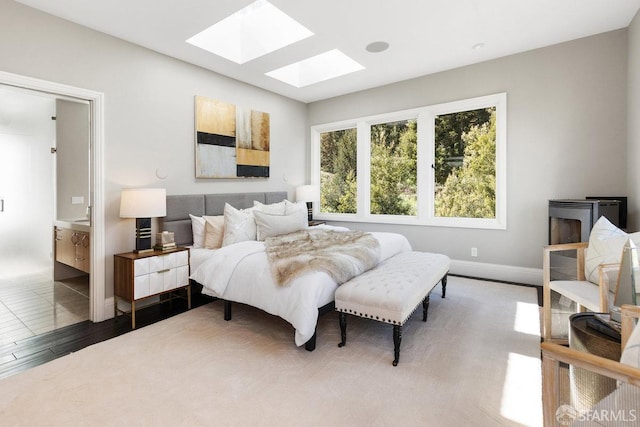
<point x="251" y="32"/>
<point x="316" y="69"/>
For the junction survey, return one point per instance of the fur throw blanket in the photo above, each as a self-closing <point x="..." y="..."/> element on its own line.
<point x="340" y="254"/>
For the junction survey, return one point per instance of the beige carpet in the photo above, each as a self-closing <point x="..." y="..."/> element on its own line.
<point x="475" y="362"/>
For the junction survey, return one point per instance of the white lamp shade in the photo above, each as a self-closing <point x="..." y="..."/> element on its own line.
<point x="143" y="203"/>
<point x="308" y="193"/>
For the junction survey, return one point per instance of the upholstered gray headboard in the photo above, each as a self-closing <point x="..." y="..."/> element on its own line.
<point x="180" y="206"/>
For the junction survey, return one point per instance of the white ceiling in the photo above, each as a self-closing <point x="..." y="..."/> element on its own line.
<point x="425" y="36"/>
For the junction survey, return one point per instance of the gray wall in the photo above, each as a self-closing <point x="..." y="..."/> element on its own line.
<point x="72" y="158"/>
<point x="633" y="142"/>
<point x="149" y="113"/>
<point x="566" y="137"/>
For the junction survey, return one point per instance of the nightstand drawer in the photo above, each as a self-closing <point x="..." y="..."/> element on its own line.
<point x="162" y="262"/>
<point x="141" y="266"/>
<point x="182" y="258"/>
<point x="141" y="287"/>
<point x="182" y="276"/>
<point x="163" y="280"/>
<point x="159" y="279"/>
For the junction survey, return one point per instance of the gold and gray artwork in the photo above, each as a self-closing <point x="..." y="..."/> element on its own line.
<point x="231" y="141"/>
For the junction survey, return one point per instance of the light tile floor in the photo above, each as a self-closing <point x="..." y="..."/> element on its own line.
<point x="34" y="304"/>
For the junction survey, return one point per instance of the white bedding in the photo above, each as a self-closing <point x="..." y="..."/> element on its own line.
<point x="240" y="273"/>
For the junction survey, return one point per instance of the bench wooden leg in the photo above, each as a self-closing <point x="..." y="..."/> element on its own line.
<point x="311" y="344"/>
<point x="397" y="338"/>
<point x="342" y="317"/>
<point x="425" y="307"/>
<point x="444" y="285"/>
<point x="227" y="310"/>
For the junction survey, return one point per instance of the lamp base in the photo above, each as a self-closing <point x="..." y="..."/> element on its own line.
<point x="143" y="235"/>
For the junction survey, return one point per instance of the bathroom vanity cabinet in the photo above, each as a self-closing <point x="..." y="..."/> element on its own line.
<point x="72" y="247"/>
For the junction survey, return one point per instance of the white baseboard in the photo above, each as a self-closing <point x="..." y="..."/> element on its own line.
<point x="506" y="273"/>
<point x="108" y="308"/>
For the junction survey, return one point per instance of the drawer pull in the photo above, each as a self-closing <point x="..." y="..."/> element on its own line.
<point x="164" y="271"/>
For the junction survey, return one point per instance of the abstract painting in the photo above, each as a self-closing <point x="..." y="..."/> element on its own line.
<point x="231" y="141"/>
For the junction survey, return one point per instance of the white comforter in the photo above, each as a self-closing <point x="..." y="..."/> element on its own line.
<point x="241" y="273"/>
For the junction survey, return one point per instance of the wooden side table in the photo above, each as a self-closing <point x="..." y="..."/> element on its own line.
<point x="140" y="276"/>
<point x="588" y="388"/>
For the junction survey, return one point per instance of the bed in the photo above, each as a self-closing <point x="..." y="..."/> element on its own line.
<point x="240" y="272"/>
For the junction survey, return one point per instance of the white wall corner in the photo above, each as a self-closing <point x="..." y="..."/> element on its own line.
<point x="506" y="273"/>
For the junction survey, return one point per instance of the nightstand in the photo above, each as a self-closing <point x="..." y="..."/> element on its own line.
<point x="138" y="276"/>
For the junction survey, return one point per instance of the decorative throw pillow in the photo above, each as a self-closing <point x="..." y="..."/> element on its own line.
<point x="239" y="225"/>
<point x="213" y="231"/>
<point x="269" y="225"/>
<point x="197" y="229"/>
<point x="294" y="207"/>
<point x="631" y="352"/>
<point x="298" y="208"/>
<point x="273" y="208"/>
<point x="605" y="246"/>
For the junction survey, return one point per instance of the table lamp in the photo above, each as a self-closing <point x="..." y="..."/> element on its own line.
<point x="143" y="204"/>
<point x="309" y="194"/>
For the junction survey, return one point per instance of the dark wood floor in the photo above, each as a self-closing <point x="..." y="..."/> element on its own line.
<point x="30" y="352"/>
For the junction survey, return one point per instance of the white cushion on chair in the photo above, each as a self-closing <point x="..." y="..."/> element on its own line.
<point x="585" y="293"/>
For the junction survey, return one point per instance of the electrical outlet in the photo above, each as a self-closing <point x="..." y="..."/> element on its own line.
<point x="474" y="251"/>
<point x="77" y="200"/>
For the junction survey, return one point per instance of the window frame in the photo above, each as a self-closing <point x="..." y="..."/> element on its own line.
<point x="425" y="118"/>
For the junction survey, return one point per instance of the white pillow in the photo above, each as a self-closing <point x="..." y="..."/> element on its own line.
<point x="239" y="225"/>
<point x="213" y="231"/>
<point x="299" y="208"/>
<point x="605" y="246"/>
<point x="269" y="225"/>
<point x="631" y="353"/>
<point x="273" y="208"/>
<point x="197" y="229"/>
<point x="295" y="207"/>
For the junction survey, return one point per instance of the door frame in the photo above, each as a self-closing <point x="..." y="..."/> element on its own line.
<point x="96" y="117"/>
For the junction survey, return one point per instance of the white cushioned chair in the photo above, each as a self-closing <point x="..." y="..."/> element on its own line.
<point x="597" y="264"/>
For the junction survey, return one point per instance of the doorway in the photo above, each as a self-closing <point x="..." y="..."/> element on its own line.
<point x="95" y="101"/>
<point x="43" y="140"/>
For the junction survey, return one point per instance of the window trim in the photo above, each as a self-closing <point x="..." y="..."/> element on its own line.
<point x="425" y="117"/>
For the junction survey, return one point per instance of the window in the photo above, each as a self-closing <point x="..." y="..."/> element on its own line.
<point x="437" y="165"/>
<point x="465" y="164"/>
<point x="338" y="171"/>
<point x="394" y="168"/>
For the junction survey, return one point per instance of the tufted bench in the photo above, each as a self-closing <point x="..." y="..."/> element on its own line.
<point x="391" y="291"/>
